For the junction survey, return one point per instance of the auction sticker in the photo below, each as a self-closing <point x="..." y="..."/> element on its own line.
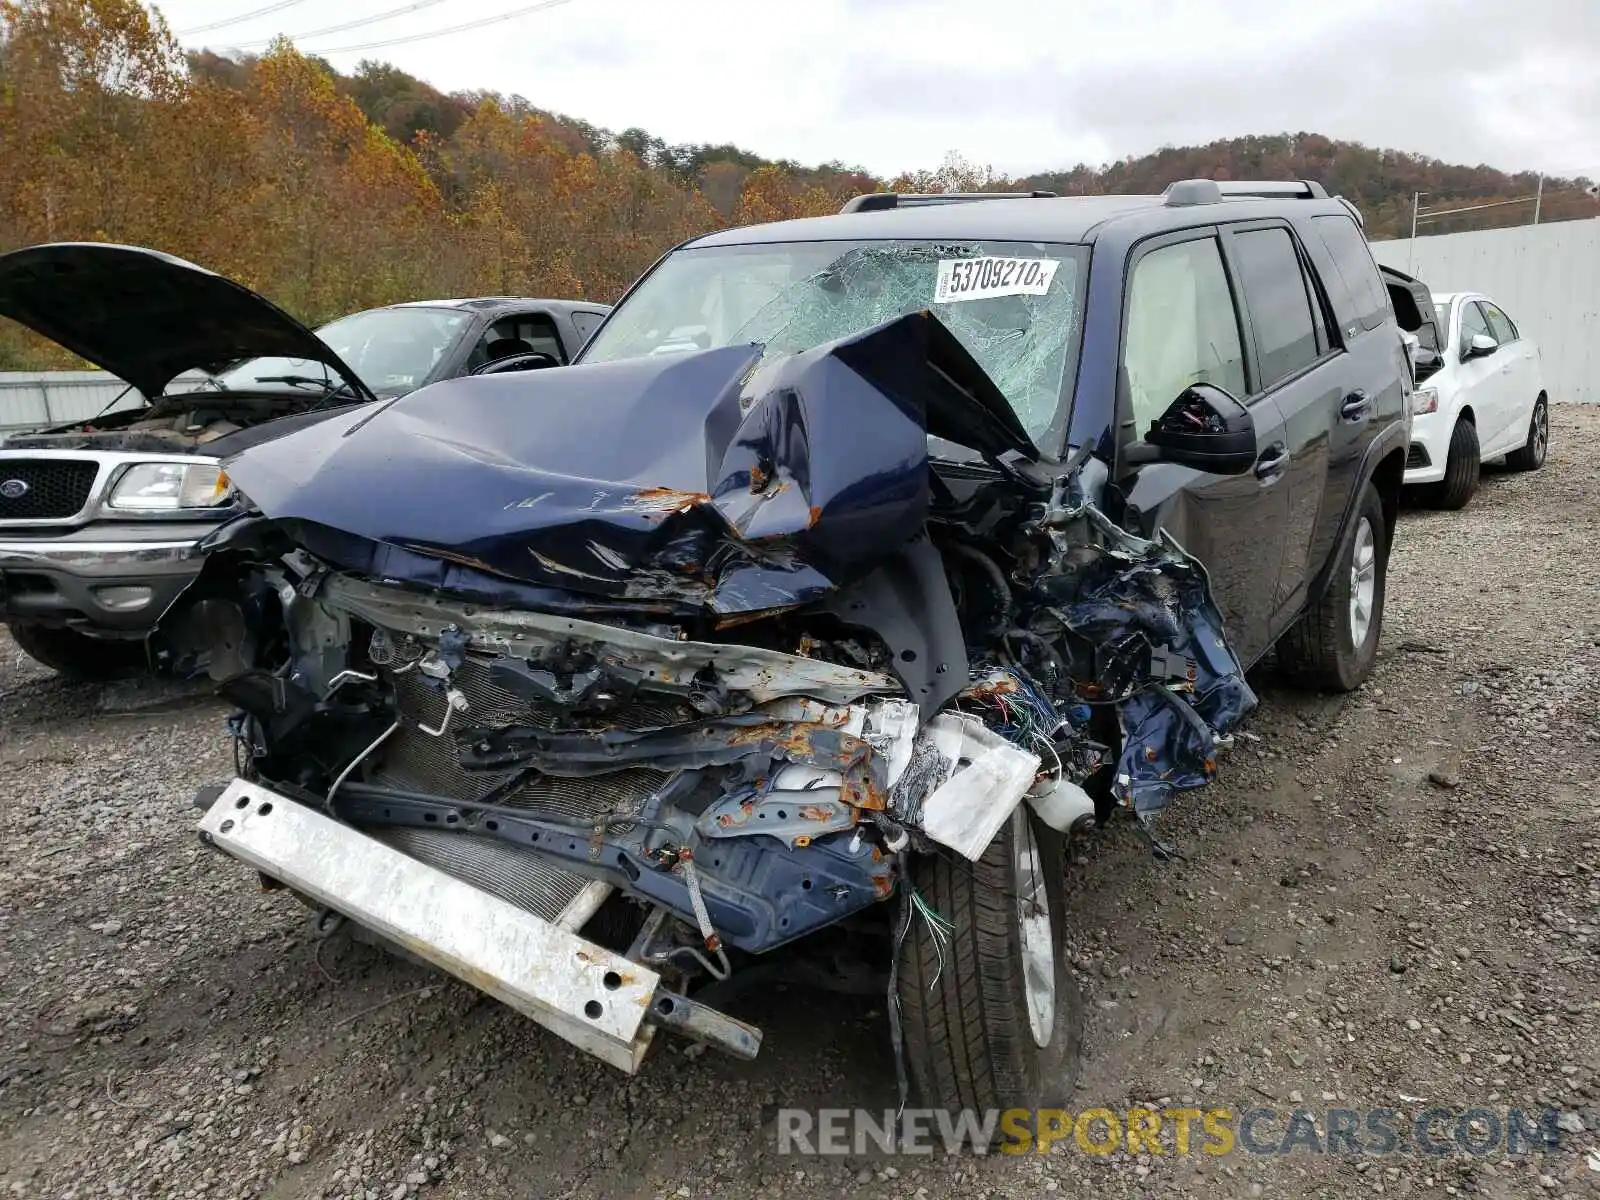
<point x="985" y="278"/>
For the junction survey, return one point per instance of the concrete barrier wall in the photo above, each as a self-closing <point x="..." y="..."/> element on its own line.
<point x="1547" y="277"/>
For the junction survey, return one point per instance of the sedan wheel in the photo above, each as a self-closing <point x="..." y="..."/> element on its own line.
<point x="1531" y="454"/>
<point x="1462" y="469"/>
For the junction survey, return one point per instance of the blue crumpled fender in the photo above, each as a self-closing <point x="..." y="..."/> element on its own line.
<point x="1150" y="602"/>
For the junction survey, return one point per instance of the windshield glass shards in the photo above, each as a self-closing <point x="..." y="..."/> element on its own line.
<point x="1015" y="306"/>
<point x="393" y="350"/>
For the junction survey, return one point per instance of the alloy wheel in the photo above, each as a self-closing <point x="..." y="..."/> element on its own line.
<point x="1363" y="583"/>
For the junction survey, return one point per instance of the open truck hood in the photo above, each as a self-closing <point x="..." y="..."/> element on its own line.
<point x="147" y="317"/>
<point x="715" y="480"/>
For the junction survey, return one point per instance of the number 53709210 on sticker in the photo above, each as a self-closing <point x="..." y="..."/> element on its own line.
<point x="983" y="278"/>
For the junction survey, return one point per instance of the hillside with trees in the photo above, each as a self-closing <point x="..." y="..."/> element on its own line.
<point x="331" y="192"/>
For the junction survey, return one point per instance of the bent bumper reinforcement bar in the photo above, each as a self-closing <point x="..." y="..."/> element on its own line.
<point x="595" y="999"/>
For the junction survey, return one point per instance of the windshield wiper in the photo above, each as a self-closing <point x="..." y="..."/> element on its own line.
<point x="330" y="387"/>
<point x="321" y="381"/>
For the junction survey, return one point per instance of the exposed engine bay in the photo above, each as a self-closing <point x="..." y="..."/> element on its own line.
<point x="199" y="422"/>
<point x="726" y="726"/>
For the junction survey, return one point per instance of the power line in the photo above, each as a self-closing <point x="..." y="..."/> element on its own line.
<point x="422" y="37"/>
<point x="251" y="15"/>
<point x="356" y="24"/>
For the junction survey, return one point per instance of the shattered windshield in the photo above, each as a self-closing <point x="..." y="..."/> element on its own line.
<point x="1015" y="306"/>
<point x="393" y="350"/>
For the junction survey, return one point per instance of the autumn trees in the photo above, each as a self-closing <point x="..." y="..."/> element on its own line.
<point x="332" y="193"/>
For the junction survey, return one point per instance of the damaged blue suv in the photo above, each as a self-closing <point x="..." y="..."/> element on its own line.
<point x="857" y="566"/>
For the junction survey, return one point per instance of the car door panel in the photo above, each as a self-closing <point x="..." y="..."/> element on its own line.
<point x="1371" y="392"/>
<point x="1516" y="387"/>
<point x="1181" y="326"/>
<point x="1231" y="523"/>
<point x="1475" y="377"/>
<point x="1294" y="366"/>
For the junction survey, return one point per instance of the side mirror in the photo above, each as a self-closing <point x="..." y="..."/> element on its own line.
<point x="536" y="361"/>
<point x="1205" y="428"/>
<point x="1481" y="346"/>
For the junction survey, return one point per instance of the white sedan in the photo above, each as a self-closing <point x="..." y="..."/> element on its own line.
<point x="1486" y="400"/>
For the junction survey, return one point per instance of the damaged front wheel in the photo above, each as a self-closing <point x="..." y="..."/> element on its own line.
<point x="991" y="1014"/>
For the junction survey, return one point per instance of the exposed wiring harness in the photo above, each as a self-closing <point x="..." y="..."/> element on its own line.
<point x="1026" y="716"/>
<point x="939" y="930"/>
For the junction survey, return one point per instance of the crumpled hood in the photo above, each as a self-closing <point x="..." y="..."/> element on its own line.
<point x="147" y="317"/>
<point x="712" y="480"/>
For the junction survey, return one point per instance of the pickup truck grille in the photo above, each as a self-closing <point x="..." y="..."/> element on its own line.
<point x="45" y="489"/>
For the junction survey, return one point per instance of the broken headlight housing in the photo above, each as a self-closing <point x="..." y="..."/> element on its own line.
<point x="171" y="487"/>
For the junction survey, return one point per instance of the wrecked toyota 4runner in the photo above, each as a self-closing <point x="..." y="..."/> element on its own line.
<point x="799" y="627"/>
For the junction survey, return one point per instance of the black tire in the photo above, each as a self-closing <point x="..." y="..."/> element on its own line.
<point x="1462" y="470"/>
<point x="1320" y="649"/>
<point x="1531" y="454"/>
<point x="78" y="656"/>
<point x="969" y="1041"/>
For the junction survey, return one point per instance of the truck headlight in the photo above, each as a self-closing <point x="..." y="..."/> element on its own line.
<point x="1425" y="400"/>
<point x="169" y="487"/>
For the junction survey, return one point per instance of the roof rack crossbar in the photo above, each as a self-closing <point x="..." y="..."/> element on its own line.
<point x="879" y="201"/>
<point x="1306" y="189"/>
<point x="1186" y="192"/>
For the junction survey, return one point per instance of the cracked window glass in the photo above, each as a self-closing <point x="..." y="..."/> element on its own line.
<point x="1015" y="306"/>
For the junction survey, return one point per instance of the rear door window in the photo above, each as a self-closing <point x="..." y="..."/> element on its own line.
<point x="1182" y="328"/>
<point x="1279" y="302"/>
<point x="1362" y="302"/>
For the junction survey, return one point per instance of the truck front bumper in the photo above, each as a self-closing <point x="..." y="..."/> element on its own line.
<point x="118" y="579"/>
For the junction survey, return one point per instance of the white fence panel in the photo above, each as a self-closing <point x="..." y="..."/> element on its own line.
<point x="32" y="399"/>
<point x="1547" y="277"/>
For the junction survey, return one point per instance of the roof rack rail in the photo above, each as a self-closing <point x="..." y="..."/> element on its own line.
<point x="1188" y="192"/>
<point x="880" y="201"/>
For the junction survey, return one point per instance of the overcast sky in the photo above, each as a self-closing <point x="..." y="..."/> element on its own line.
<point x="1022" y="85"/>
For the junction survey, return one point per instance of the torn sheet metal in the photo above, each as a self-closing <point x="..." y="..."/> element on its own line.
<point x="1146" y="610"/>
<point x="798" y="804"/>
<point x="716" y="481"/>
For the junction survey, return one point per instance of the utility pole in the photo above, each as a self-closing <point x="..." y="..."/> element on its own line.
<point x="1538" y="199"/>
<point x="1411" y="248"/>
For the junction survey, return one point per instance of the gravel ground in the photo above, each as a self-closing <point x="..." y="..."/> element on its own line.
<point x="1391" y="898"/>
